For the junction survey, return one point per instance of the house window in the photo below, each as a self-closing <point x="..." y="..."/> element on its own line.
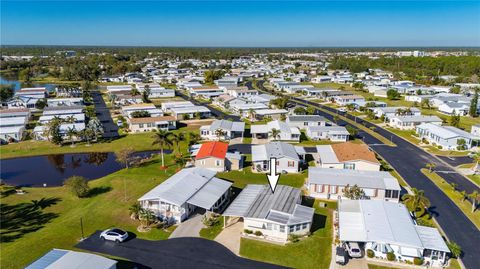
<point x="291" y="163"/>
<point x="291" y="229"/>
<point x="269" y="226"/>
<point x="333" y="189"/>
<point x="349" y="166"/>
<point x="305" y="123"/>
<point x="282" y="228"/>
<point x="304" y="226"/>
<point x="298" y="227"/>
<point x="141" y="125"/>
<point x="218" y="162"/>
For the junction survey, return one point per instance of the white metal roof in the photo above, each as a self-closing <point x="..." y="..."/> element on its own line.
<point x="274" y="150"/>
<point x="60" y="259"/>
<point x="196" y="185"/>
<point x="343" y="177"/>
<point x="326" y="153"/>
<point x="383" y="222"/>
<point x="189" y="109"/>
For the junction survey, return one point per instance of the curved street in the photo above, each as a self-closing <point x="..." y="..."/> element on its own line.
<point x="407" y="159"/>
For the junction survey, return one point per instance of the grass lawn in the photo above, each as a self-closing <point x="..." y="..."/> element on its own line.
<point x="312" y="252"/>
<point x="212" y="232"/>
<point x="455" y="196"/>
<point x="453" y="265"/>
<point x="57" y="225"/>
<point x="139" y="142"/>
<point x="465" y="121"/>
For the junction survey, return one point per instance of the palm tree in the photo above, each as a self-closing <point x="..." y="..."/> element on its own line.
<point x="474" y="197"/>
<point x="219" y="133"/>
<point x="181" y="160"/>
<point x="134" y="92"/>
<point x="275" y="133"/>
<point x="135" y="210"/>
<point x="146" y="217"/>
<point x="70" y="119"/>
<point x="193" y="138"/>
<point x="71" y="132"/>
<point x="177" y="138"/>
<point x="430" y="166"/>
<point x="162" y="139"/>
<point x="416" y="202"/>
<point x="251" y="114"/>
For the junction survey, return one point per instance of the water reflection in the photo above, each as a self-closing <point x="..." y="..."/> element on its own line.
<point x="53" y="169"/>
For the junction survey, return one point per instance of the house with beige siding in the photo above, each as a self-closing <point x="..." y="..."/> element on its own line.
<point x="326" y="183"/>
<point x="148" y="124"/>
<point x="347" y="155"/>
<point x="215" y="156"/>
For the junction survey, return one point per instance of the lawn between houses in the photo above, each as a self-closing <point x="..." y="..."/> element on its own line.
<point x="312" y="252"/>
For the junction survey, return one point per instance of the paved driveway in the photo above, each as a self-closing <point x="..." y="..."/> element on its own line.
<point x="189" y="228"/>
<point x="230" y="237"/>
<point x="175" y="253"/>
<point x="456" y="161"/>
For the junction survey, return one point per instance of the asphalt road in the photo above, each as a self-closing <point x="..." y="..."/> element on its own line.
<point x="456" y="161"/>
<point x="177" y="253"/>
<point x="103" y="114"/>
<point x="407" y="159"/>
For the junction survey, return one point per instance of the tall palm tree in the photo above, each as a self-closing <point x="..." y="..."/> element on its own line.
<point x="177" y="139"/>
<point x="135" y="210"/>
<point x="430" y="166"/>
<point x="219" y="133"/>
<point x="474" y="197"/>
<point x="416" y="202"/>
<point x="193" y="138"/>
<point x="181" y="160"/>
<point x="162" y="139"/>
<point x="71" y="132"/>
<point x="275" y="133"/>
<point x="134" y="92"/>
<point x="251" y="114"/>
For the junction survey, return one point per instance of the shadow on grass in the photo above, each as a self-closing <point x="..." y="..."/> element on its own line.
<point x="98" y="190"/>
<point x="23" y="218"/>
<point x="318" y="222"/>
<point x="124" y="264"/>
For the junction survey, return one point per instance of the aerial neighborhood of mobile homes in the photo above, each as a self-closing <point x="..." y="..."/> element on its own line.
<point x="222" y="128"/>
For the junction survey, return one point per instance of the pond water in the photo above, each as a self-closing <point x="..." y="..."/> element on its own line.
<point x="17" y="85"/>
<point x="52" y="170"/>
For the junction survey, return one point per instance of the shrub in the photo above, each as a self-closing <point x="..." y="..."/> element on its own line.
<point x="78" y="185"/>
<point x="417" y="261"/>
<point x="440" y="147"/>
<point x="390" y="256"/>
<point x="294" y="238"/>
<point x="370" y="253"/>
<point x="248" y="231"/>
<point x="258" y="233"/>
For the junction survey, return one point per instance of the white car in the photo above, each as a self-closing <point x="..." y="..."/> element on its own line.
<point x="354" y="250"/>
<point x="114" y="234"/>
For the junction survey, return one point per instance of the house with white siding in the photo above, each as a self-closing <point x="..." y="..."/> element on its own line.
<point x="286" y="133"/>
<point x="273" y="215"/>
<point x="288" y="157"/>
<point x="223" y="129"/>
<point x="304" y="121"/>
<point x="448" y="137"/>
<point x="410" y="122"/>
<point x="332" y="133"/>
<point x="176" y="199"/>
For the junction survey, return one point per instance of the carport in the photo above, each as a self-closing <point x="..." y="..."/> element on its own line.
<point x="239" y="208"/>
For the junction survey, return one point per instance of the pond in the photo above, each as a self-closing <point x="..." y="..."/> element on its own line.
<point x="52" y="170"/>
<point x="17" y="85"/>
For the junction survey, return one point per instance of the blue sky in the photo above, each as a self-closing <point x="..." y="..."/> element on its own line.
<point x="241" y="23"/>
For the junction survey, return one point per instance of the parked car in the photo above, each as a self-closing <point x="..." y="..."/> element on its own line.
<point x="354" y="250"/>
<point x="119" y="123"/>
<point x="114" y="234"/>
<point x="340" y="256"/>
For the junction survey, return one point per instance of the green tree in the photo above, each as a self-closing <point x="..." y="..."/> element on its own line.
<point x="430" y="166"/>
<point x="455" y="249"/>
<point x="25" y="75"/>
<point x="310" y="110"/>
<point x="416" y="202"/>
<point x="124" y="157"/>
<point x="135" y="210"/>
<point x="212" y="75"/>
<point x="6" y="92"/>
<point x="274" y="133"/>
<point x="299" y="111"/>
<point x="71" y="133"/>
<point x="163" y="139"/>
<point x="455" y="120"/>
<point x="474" y="196"/>
<point x="393" y="94"/>
<point x="473" y="111"/>
<point x="78" y="186"/>
<point x="193" y="138"/>
<point x="146" y="94"/>
<point x="177" y="139"/>
<point x="140" y="114"/>
<point x="354" y="192"/>
<point x="352" y="131"/>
